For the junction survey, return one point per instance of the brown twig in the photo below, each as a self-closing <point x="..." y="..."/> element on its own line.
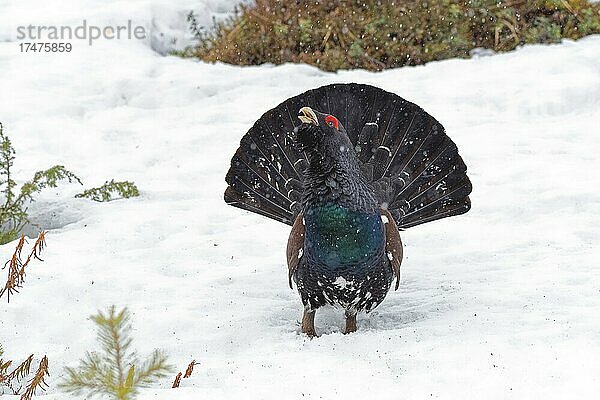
<point x="188" y="373"/>
<point x="16" y="267"/>
<point x="38" y="381"/>
<point x="14" y="380"/>
<point x="177" y="381"/>
<point x="21" y="371"/>
<point x="38" y="246"/>
<point x="4" y="366"/>
<point x="190" y="369"/>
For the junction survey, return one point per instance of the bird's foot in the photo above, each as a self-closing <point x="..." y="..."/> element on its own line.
<point x="308" y="324"/>
<point x="350" y="323"/>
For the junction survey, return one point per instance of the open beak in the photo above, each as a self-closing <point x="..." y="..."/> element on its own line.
<point x="308" y="116"/>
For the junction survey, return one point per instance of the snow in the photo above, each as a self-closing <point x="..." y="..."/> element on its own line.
<point x="499" y="303"/>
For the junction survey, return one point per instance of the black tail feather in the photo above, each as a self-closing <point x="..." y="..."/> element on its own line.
<point x="415" y="168"/>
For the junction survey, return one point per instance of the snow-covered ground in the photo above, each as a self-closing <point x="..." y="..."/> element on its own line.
<point x="499" y="303"/>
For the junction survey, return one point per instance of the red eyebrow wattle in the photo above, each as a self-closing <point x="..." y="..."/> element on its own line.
<point x="331" y="118"/>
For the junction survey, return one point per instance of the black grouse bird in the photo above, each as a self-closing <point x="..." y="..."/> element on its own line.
<point x="347" y="165"/>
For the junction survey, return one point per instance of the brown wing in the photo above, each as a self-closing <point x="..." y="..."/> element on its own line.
<point x="393" y="244"/>
<point x="295" y="246"/>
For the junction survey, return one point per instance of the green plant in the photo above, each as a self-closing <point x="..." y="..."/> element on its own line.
<point x="374" y="35"/>
<point x="13" y="201"/>
<point x="116" y="371"/>
<point x="13" y="210"/>
<point x="108" y="191"/>
<point x="15" y="380"/>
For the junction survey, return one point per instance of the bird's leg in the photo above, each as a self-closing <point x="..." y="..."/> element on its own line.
<point x="308" y="323"/>
<point x="350" y="322"/>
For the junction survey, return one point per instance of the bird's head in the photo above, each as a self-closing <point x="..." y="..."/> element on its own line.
<point x="322" y="135"/>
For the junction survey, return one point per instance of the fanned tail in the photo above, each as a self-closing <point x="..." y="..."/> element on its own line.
<point x="415" y="168"/>
<point x="264" y="176"/>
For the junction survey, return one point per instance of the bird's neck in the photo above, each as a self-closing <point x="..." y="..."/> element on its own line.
<point x="338" y="181"/>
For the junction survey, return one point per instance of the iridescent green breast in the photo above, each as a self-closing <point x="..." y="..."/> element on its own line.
<point x="337" y="236"/>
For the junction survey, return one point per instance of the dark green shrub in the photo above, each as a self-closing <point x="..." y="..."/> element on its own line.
<point x="14" y="202"/>
<point x="13" y="208"/>
<point x="376" y="35"/>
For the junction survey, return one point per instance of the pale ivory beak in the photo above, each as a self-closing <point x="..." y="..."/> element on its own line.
<point x="308" y="116"/>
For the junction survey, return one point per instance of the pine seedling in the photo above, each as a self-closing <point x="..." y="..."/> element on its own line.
<point x="13" y="210"/>
<point x="111" y="191"/>
<point x="115" y="371"/>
